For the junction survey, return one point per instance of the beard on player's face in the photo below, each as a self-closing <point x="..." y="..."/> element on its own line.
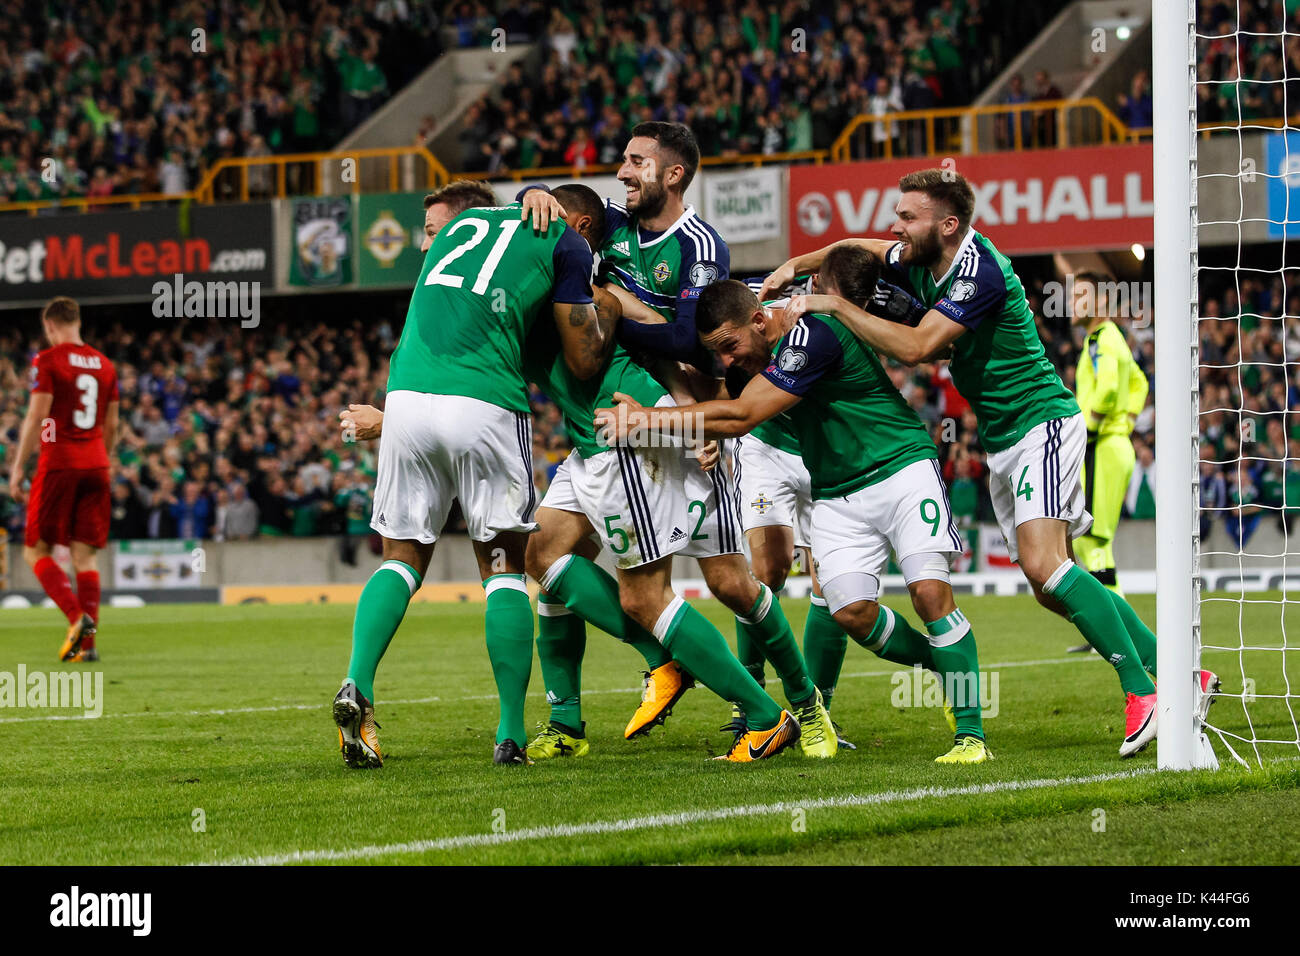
<point x="754" y="355"/>
<point x="646" y="199"/>
<point x="925" y="249"/>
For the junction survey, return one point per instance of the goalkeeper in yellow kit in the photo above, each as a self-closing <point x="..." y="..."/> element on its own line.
<point x="1111" y="391"/>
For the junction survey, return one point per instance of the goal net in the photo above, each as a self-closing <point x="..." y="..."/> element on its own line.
<point x="1227" y="347"/>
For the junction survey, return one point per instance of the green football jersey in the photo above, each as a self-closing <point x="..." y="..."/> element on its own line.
<point x="578" y="400"/>
<point x="667" y="271"/>
<point x="854" y="427"/>
<point x="485" y="280"/>
<point x="779" y="433"/>
<point x="999" y="365"/>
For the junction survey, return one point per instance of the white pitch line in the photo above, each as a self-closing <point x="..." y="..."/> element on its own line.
<point x="666" y="820"/>
<point x="1072" y="659"/>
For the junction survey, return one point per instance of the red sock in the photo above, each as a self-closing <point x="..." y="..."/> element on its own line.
<point x="88" y="596"/>
<point x="56" y="585"/>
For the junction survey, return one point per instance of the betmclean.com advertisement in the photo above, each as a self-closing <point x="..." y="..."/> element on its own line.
<point x="1095" y="198"/>
<point x="123" y="254"/>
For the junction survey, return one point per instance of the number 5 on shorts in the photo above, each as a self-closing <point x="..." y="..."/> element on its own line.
<point x="611" y="533"/>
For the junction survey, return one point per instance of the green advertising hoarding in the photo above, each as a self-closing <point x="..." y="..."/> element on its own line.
<point x="389" y="229"/>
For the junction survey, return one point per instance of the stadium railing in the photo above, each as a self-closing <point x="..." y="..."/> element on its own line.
<point x="250" y="177"/>
<point x="962" y="129"/>
<point x="815" y="156"/>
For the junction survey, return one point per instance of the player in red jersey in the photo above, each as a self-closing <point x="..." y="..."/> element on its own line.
<point x="72" y="417"/>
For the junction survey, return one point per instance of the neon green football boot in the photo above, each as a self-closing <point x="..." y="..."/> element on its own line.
<point x="555" y="741"/>
<point x="967" y="749"/>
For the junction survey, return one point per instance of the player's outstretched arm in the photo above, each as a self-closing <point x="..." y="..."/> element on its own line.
<point x="729" y="418"/>
<point x="910" y="345"/>
<point x="811" y="262"/>
<point x="37" y="411"/>
<point x="633" y="308"/>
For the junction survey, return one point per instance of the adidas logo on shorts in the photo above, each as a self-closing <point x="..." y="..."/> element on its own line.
<point x="381" y="519"/>
<point x="677" y="535"/>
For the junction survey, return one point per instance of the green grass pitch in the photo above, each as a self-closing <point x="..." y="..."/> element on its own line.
<point x="219" y="716"/>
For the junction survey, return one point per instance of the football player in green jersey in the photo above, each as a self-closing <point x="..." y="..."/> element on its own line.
<point x="874" y="476"/>
<point x="600" y="480"/>
<point x="456" y="425"/>
<point x="658" y="249"/>
<point x="1029" y="424"/>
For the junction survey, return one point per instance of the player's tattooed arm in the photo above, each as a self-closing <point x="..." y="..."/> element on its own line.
<point x="585" y="336"/>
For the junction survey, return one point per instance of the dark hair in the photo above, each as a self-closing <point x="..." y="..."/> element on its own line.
<point x="852" y="272"/>
<point x="943" y="186"/>
<point x="677" y="140"/>
<point x="461" y="194"/>
<point x="580" y="199"/>
<point x="62" y="310"/>
<point x="727" y="301"/>
<point x="1093" y="276"/>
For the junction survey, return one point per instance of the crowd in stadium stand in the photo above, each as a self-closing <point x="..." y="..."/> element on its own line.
<point x="747" y="77"/>
<point x="1228" y="50"/>
<point x="229" y="435"/>
<point x="144" y="96"/>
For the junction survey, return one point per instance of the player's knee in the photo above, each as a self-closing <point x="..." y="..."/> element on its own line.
<point x="932" y="599"/>
<point x="33" y="554"/>
<point x="772" y="571"/>
<point x="640" y="605"/>
<point x="858" y="619"/>
<point x="733" y="586"/>
<point x="1038" y="568"/>
<point x="538" y="558"/>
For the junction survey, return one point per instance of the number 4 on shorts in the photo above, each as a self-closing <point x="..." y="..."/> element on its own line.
<point x="1023" y="488"/>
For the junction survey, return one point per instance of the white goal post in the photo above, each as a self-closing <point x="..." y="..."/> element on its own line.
<point x="1173" y="59"/>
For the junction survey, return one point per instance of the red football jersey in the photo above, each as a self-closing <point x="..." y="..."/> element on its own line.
<point x="83" y="382"/>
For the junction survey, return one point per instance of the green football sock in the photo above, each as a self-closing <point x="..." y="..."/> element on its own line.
<point x="379" y="611"/>
<point x="750" y="653"/>
<point x="958" y="665"/>
<point x="702" y="650"/>
<point x="508" y="624"/>
<point x="894" y="640"/>
<point x="561" y="642"/>
<point x="1143" y="640"/>
<point x="824" y="644"/>
<point x="1093" y="613"/>
<point x="766" y="625"/>
<point x="591" y="593"/>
